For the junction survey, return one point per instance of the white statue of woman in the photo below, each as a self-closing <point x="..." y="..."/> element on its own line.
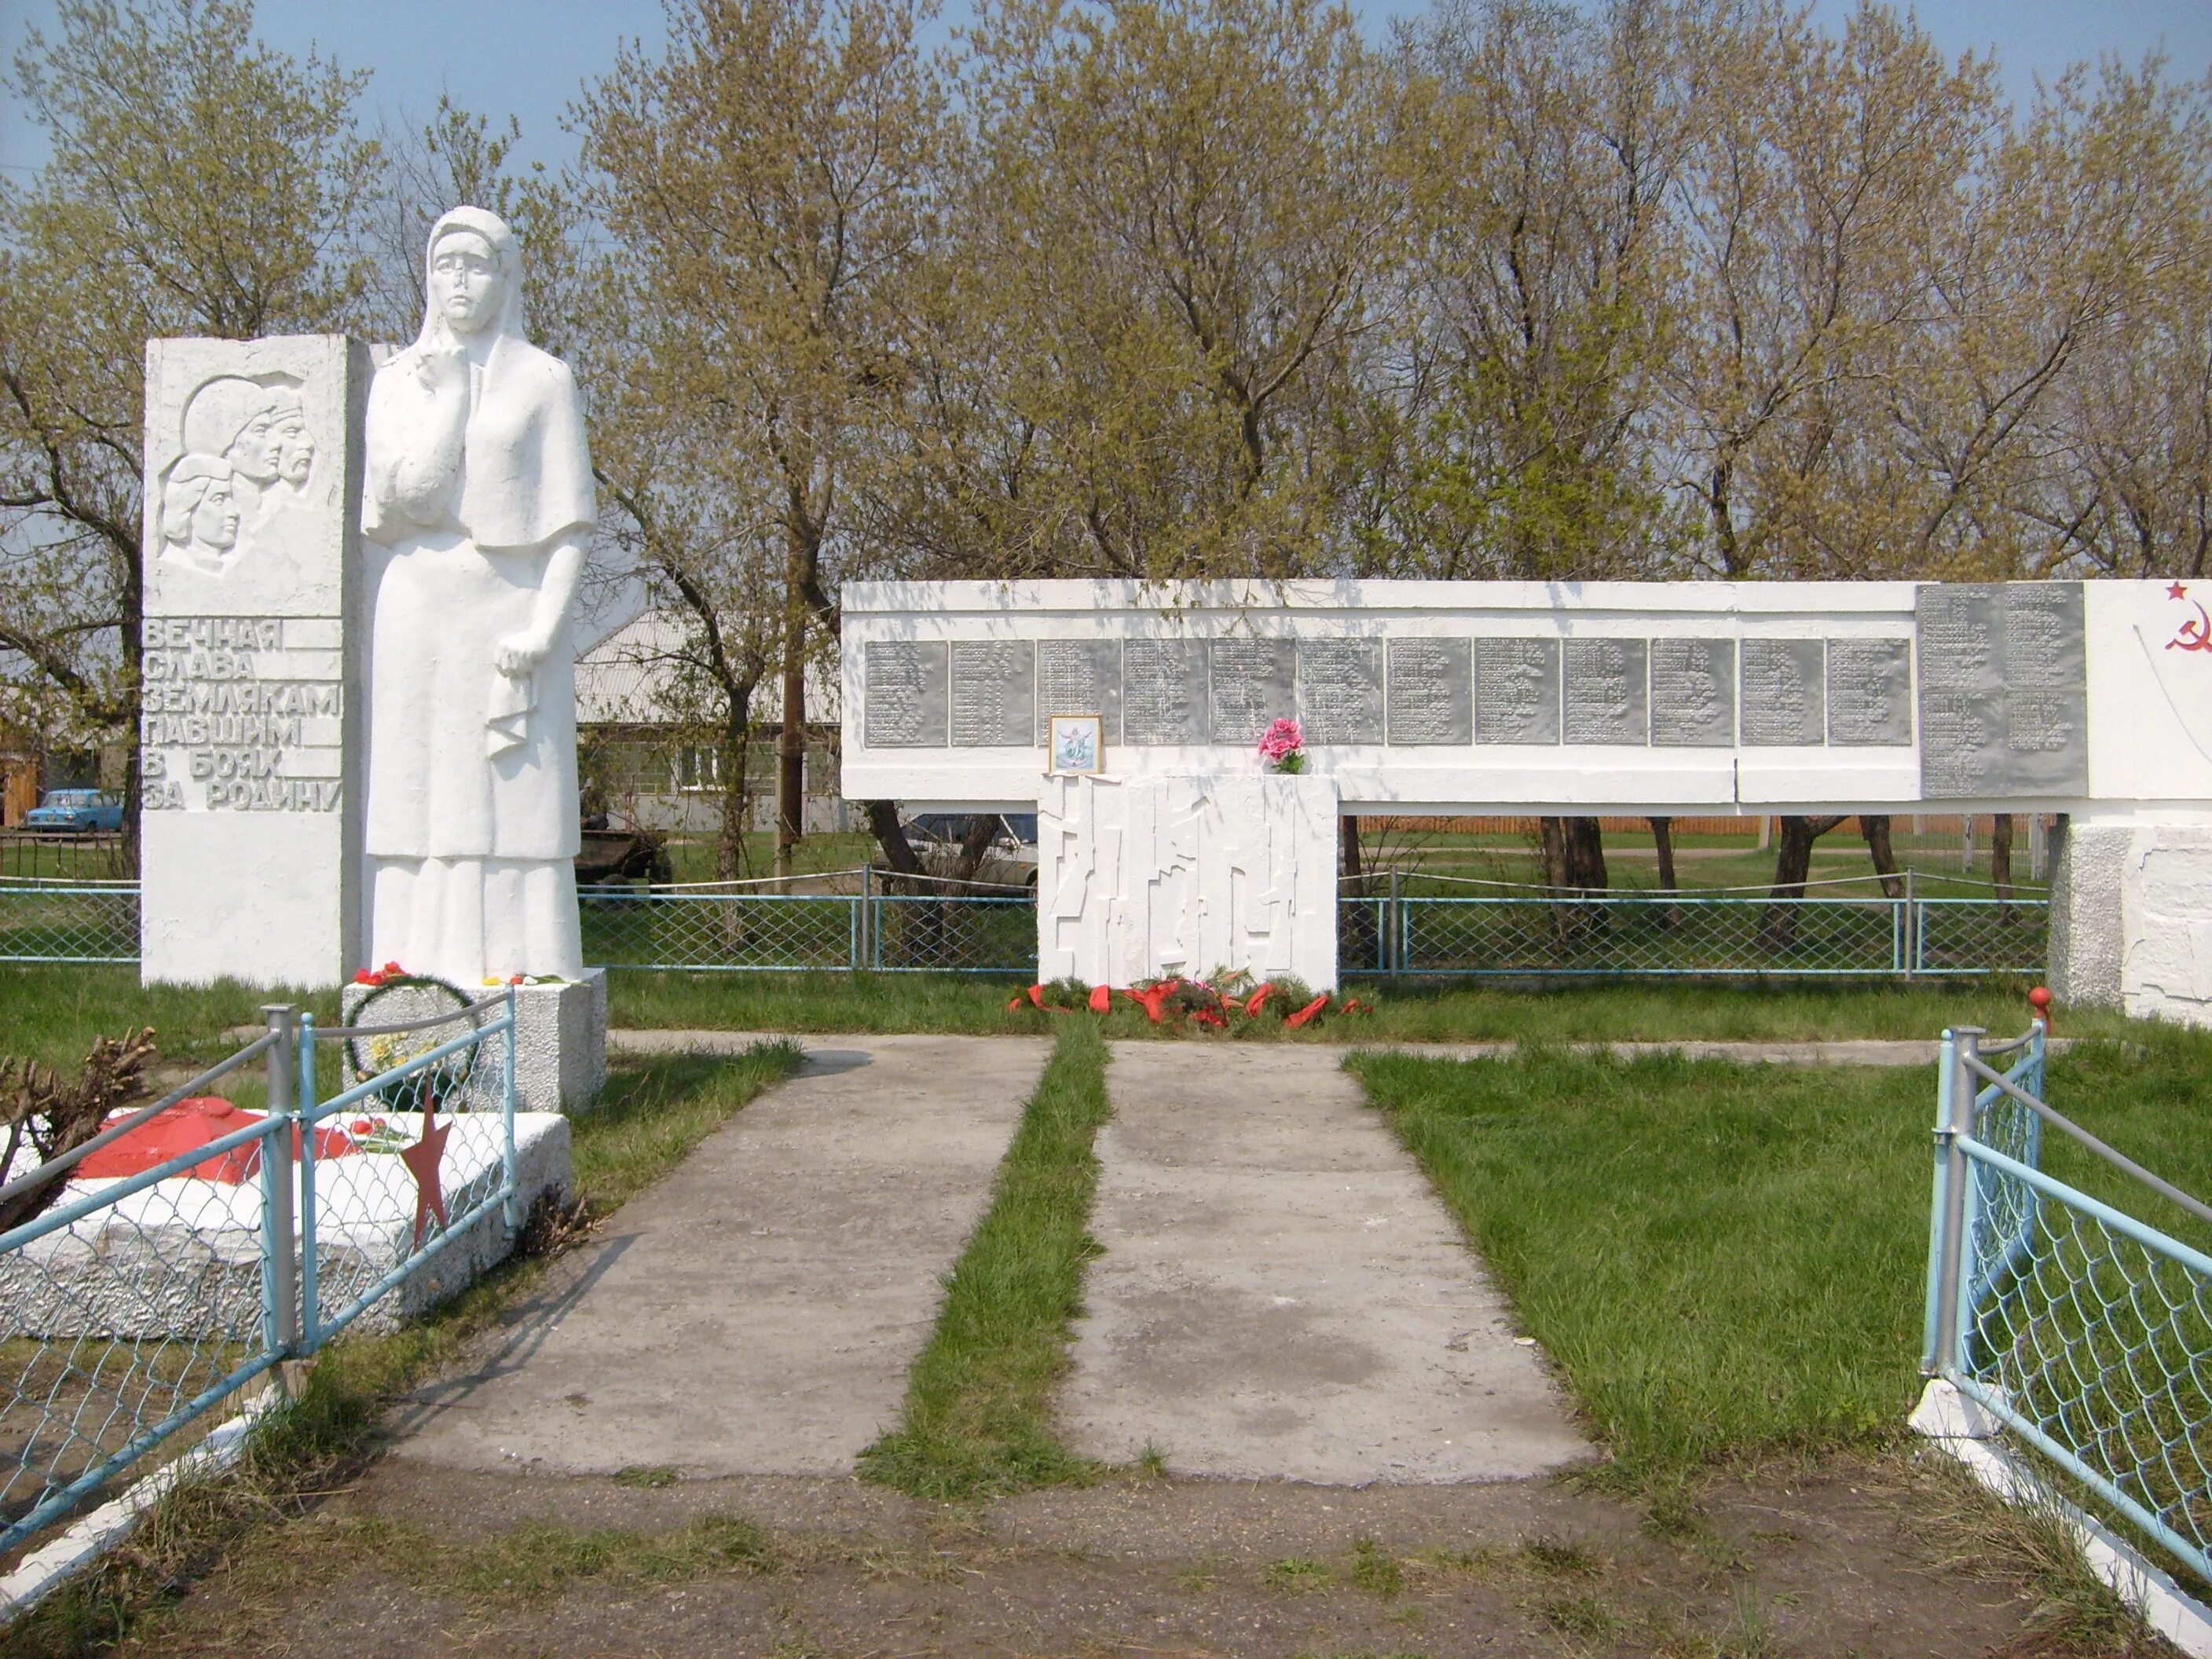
<point x="479" y="484"/>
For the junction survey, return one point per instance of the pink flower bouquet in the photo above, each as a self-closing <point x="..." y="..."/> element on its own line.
<point x="1283" y="747"/>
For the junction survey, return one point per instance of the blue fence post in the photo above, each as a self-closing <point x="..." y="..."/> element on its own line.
<point x="510" y="1211"/>
<point x="858" y="958"/>
<point x="311" y="1323"/>
<point x="1394" y="927"/>
<point x="1947" y="1286"/>
<point x="280" y="1242"/>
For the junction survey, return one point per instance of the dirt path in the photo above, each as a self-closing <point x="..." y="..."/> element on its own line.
<point x="423" y="1562"/>
<point x="755" y="1312"/>
<point x="1281" y="1296"/>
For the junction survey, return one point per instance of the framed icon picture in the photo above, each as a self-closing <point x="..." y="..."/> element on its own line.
<point x="1078" y="743"/>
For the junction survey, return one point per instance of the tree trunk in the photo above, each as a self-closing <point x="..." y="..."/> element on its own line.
<point x="2000" y="862"/>
<point x="733" y="754"/>
<point x="791" y="741"/>
<point x="1359" y="931"/>
<point x="1875" y="826"/>
<point x="1663" y="842"/>
<point x="891" y="834"/>
<point x="1574" y="860"/>
<point x="1793" y="863"/>
<point x="983" y="830"/>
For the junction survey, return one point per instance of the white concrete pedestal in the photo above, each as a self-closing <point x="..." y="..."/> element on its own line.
<point x="560" y="1045"/>
<point x="2131" y="915"/>
<point x="1143" y="878"/>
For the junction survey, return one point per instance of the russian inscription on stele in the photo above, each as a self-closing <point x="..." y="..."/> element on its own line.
<point x="234" y="721"/>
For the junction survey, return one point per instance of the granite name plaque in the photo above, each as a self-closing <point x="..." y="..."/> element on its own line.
<point x="1430" y="693"/>
<point x="1164" y="692"/>
<point x="1870" y="693"/>
<point x="1340" y="690"/>
<point x="1603" y="690"/>
<point x="1255" y="685"/>
<point x="1080" y="676"/>
<point x="1516" y="691"/>
<point x="994" y="694"/>
<point x="2004" y="690"/>
<point x="904" y="695"/>
<point x="1694" y="694"/>
<point x="1784" y="693"/>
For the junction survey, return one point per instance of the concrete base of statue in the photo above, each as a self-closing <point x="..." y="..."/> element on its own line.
<point x="1149" y="876"/>
<point x="2131" y="915"/>
<point x="560" y="1045"/>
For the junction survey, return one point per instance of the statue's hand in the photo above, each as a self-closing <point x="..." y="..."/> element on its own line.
<point x="441" y="368"/>
<point x="520" y="653"/>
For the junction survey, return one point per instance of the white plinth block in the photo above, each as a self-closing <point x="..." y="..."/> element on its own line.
<point x="2131" y="916"/>
<point x="560" y="1045"/>
<point x="1154" y="876"/>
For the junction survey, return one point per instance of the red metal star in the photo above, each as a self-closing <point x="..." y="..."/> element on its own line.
<point x="422" y="1160"/>
<point x="2177" y="592"/>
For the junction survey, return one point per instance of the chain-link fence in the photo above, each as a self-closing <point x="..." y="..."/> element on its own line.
<point x="1474" y="929"/>
<point x="183" y="1251"/>
<point x="2084" y="1330"/>
<point x="88" y="921"/>
<point x="837" y="921"/>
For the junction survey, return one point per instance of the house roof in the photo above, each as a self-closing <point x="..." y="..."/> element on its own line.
<point x="637" y="675"/>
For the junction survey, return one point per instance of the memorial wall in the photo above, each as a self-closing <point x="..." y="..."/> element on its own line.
<point x="1515" y="697"/>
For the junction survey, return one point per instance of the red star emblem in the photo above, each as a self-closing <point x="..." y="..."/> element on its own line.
<point x="422" y="1160"/>
<point x="2177" y="592"/>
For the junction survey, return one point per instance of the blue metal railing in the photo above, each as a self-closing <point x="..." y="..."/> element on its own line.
<point x="2084" y="1329"/>
<point x="135" y="1309"/>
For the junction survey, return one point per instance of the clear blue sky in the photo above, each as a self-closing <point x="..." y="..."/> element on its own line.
<point x="531" y="56"/>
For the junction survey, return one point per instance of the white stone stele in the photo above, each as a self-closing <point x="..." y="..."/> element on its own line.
<point x="181" y="1259"/>
<point x="1143" y="877"/>
<point x="560" y="1045"/>
<point x="250" y="711"/>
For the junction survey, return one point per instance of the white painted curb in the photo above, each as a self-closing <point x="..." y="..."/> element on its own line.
<point x="46" y="1569"/>
<point x="1957" y="1426"/>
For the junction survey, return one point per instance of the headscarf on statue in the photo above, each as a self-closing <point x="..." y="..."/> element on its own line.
<point x="513" y="471"/>
<point x="500" y="456"/>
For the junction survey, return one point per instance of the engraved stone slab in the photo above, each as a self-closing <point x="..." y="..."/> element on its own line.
<point x="254" y="635"/>
<point x="1080" y="676"/>
<point x="1604" y="693"/>
<point x="993" y="693"/>
<point x="1163" y="691"/>
<point x="2046" y="688"/>
<point x="1783" y="681"/>
<point x="1870" y="693"/>
<point x="1432" y="692"/>
<point x="904" y="695"/>
<point x="1517" y="690"/>
<point x="2002" y="690"/>
<point x="1340" y="690"/>
<point x="1255" y="685"/>
<point x="1694" y="694"/>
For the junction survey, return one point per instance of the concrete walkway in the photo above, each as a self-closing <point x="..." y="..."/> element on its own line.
<point x="755" y="1313"/>
<point x="1283" y="1296"/>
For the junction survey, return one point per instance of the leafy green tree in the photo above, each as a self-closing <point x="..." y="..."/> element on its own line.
<point x="199" y="184"/>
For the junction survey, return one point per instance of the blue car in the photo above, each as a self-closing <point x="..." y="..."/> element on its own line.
<point x="76" y="811"/>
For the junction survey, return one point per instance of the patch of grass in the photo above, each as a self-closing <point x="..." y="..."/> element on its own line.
<point x="1375" y="1569"/>
<point x="1561" y="1557"/>
<point x="51" y="1013"/>
<point x="647" y="1477"/>
<point x="977" y="1421"/>
<point x="1727" y="1261"/>
<point x="1583" y="1616"/>
<point x="1298" y="1574"/>
<point x="1722" y="1259"/>
<point x="653" y="1112"/>
<point x="534" y="1560"/>
<point x="1405" y="1011"/>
